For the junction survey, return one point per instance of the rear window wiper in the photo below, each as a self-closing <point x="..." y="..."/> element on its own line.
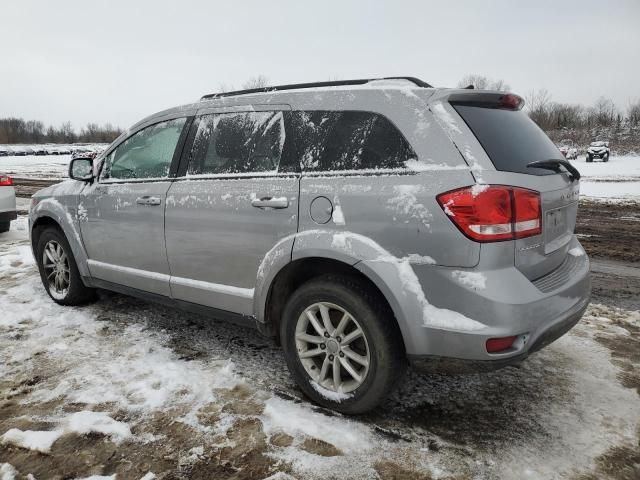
<point x="554" y="164"/>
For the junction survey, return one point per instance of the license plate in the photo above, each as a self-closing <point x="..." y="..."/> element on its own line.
<point x="555" y="229"/>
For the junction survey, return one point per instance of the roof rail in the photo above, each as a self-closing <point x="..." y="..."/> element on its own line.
<point x="295" y="86"/>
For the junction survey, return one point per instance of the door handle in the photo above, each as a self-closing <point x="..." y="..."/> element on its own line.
<point x="148" y="200"/>
<point x="270" y="202"/>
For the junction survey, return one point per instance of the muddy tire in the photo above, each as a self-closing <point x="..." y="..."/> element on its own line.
<point x="59" y="271"/>
<point x="5" y="226"/>
<point x="342" y="344"/>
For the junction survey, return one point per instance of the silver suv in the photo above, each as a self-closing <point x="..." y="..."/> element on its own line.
<point x="364" y="224"/>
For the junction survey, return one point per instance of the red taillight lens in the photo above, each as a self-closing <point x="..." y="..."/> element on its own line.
<point x="511" y="101"/>
<point x="490" y="213"/>
<point x="495" y="345"/>
<point x="6" y="181"/>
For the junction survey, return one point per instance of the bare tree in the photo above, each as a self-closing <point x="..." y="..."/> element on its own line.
<point x="256" y="82"/>
<point x="537" y="106"/>
<point x="633" y="112"/>
<point x="480" y="82"/>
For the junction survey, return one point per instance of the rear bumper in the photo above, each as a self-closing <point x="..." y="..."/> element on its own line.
<point x="435" y="364"/>
<point x="496" y="301"/>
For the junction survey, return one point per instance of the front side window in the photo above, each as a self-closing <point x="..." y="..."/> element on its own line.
<point x="348" y="140"/>
<point x="228" y="143"/>
<point x="147" y="154"/>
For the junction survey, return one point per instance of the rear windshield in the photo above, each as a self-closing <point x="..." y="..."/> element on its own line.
<point x="511" y="139"/>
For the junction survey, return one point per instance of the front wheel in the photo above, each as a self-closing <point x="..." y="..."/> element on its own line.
<point x="342" y="344"/>
<point x="605" y="158"/>
<point x="58" y="270"/>
<point x="589" y="159"/>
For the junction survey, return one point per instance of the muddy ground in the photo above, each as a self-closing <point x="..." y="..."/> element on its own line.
<point x="571" y="411"/>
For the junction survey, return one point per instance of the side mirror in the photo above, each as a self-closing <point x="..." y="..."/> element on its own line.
<point x="81" y="168"/>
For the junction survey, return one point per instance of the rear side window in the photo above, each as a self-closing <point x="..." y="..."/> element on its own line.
<point x="245" y="142"/>
<point x="348" y="140"/>
<point x="511" y="139"/>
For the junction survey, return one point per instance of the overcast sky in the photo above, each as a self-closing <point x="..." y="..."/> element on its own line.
<point x="118" y="61"/>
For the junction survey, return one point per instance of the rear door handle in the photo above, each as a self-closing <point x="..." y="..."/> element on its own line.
<point x="270" y="202"/>
<point x="148" y="200"/>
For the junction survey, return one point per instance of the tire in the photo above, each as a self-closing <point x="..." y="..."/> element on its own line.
<point x="381" y="344"/>
<point x="606" y="158"/>
<point x="75" y="293"/>
<point x="589" y="159"/>
<point x="5" y="226"/>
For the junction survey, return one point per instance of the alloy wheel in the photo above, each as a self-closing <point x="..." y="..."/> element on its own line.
<point x="332" y="347"/>
<point x="55" y="263"/>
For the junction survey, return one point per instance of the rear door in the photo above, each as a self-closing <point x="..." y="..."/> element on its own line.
<point x="122" y="214"/>
<point x="512" y="141"/>
<point x="236" y="197"/>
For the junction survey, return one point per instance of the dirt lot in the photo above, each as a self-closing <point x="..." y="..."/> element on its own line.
<point x="610" y="230"/>
<point x="207" y="400"/>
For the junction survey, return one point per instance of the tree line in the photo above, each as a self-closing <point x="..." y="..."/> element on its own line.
<point x="17" y="130"/>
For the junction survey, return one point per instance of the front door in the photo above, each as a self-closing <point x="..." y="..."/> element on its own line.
<point x="237" y="199"/>
<point x="122" y="214"/>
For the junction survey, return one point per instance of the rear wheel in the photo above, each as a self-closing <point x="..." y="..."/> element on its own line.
<point x="342" y="344"/>
<point x="58" y="270"/>
<point x="5" y="226"/>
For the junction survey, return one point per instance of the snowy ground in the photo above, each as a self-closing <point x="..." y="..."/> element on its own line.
<point x="617" y="179"/>
<point x="123" y="387"/>
<point x="36" y="166"/>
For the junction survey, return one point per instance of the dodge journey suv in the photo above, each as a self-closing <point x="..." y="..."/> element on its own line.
<point x="364" y="224"/>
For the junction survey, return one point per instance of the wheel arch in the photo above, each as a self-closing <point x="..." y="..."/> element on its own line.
<point x="52" y="213"/>
<point x="301" y="270"/>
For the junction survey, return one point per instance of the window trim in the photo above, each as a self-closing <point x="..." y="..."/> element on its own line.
<point x="173" y="165"/>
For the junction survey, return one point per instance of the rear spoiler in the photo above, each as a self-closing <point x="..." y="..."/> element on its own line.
<point x="505" y="101"/>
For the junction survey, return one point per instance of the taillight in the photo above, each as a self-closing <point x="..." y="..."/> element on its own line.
<point x="491" y="213"/>
<point x="6" y="181"/>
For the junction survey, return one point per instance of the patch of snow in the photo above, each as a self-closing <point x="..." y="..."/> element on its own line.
<point x="299" y="420"/>
<point x="475" y="280"/>
<point x="330" y="394"/>
<point x="99" y="422"/>
<point x="406" y="205"/>
<point x="478" y="188"/>
<point x="7" y="471"/>
<point x="415" y="259"/>
<point x="39" y="441"/>
<point x="416" y="165"/>
<point x="337" y="216"/>
<point x="148" y="476"/>
<point x="576" y="252"/>
<point x="446" y="119"/>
